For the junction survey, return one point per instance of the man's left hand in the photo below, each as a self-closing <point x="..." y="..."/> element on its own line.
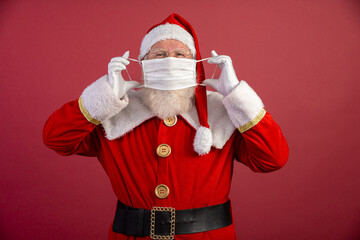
<point x="227" y="80"/>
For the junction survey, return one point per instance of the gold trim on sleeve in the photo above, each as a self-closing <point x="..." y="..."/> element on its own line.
<point x="86" y="113"/>
<point x="253" y="122"/>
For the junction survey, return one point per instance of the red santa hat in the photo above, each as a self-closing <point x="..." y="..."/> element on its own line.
<point x="176" y="27"/>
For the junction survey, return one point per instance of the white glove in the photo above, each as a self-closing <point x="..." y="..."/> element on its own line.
<point x="227" y="80"/>
<point x="119" y="85"/>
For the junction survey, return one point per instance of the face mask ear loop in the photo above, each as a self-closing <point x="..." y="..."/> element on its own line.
<point x="132" y="59"/>
<point x="128" y="74"/>
<point x="216" y="66"/>
<point x="212" y="77"/>
<point x="127" y="70"/>
<point x="204" y="59"/>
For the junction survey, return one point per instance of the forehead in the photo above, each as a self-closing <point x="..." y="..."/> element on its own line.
<point x="169" y="44"/>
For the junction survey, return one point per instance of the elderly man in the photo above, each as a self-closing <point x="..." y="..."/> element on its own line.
<point x="169" y="147"/>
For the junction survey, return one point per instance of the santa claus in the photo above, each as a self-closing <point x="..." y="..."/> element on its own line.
<point x="169" y="148"/>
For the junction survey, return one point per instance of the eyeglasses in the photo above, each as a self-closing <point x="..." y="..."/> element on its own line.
<point x="160" y="53"/>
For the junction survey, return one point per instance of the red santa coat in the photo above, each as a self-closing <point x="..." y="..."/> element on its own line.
<point x="135" y="169"/>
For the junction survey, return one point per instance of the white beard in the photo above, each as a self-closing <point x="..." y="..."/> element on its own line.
<point x="168" y="103"/>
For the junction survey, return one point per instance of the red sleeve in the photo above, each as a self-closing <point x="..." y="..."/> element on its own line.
<point x="68" y="132"/>
<point x="262" y="148"/>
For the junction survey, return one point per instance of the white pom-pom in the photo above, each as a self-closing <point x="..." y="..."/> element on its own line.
<point x="203" y="141"/>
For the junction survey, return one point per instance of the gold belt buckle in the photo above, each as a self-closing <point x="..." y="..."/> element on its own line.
<point x="172" y="223"/>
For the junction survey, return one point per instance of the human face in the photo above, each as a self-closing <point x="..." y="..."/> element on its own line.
<point x="169" y="48"/>
<point x="168" y="103"/>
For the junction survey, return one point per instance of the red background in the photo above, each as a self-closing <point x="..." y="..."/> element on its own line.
<point x="302" y="57"/>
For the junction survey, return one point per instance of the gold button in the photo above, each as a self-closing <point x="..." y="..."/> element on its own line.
<point x="171" y="121"/>
<point x="163" y="150"/>
<point x="162" y="191"/>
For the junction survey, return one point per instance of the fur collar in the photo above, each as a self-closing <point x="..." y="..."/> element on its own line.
<point x="136" y="113"/>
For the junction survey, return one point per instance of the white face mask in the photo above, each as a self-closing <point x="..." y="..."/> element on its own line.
<point x="169" y="73"/>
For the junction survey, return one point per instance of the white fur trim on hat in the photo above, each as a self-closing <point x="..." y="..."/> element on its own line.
<point x="203" y="141"/>
<point x="163" y="32"/>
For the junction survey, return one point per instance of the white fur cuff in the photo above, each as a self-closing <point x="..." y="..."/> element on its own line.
<point x="243" y="105"/>
<point x="98" y="101"/>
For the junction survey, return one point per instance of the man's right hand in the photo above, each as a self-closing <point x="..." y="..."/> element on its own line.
<point x="119" y="85"/>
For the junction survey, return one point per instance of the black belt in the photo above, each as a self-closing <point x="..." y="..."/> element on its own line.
<point x="166" y="222"/>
